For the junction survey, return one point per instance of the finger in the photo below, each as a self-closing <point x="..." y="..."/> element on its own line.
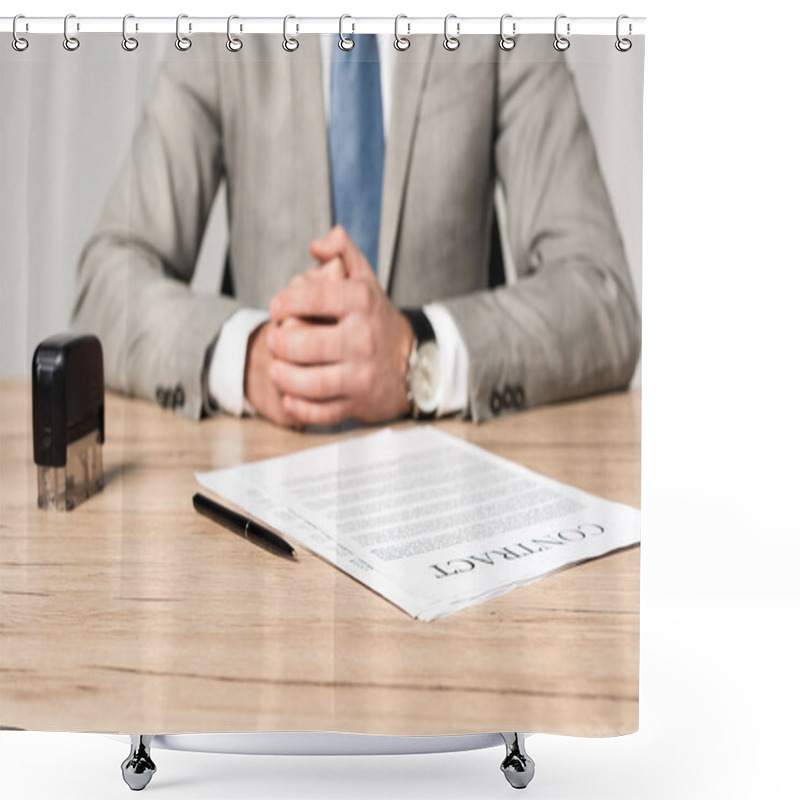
<point x="334" y="269"/>
<point x="335" y="242"/>
<point x="307" y="344"/>
<point x="325" y="382"/>
<point x="338" y="242"/>
<point x="300" y="278"/>
<point x="307" y="412"/>
<point x="320" y="299"/>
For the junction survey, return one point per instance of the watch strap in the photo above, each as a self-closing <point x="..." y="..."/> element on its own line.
<point x="423" y="332"/>
<point x="420" y="325"/>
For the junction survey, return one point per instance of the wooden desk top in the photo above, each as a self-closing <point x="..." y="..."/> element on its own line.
<point x="132" y="614"/>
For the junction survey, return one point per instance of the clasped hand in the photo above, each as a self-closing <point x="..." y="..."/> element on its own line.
<point x="335" y="346"/>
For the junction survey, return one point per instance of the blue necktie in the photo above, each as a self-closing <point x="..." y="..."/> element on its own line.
<point x="355" y="141"/>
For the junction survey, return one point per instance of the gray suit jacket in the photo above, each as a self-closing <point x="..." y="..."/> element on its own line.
<point x="460" y="121"/>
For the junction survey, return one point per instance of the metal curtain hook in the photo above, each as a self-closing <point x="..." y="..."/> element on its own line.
<point x="290" y="44"/>
<point x="233" y="44"/>
<point x="71" y="43"/>
<point x="561" y="43"/>
<point x="401" y="42"/>
<point x="129" y="43"/>
<point x="345" y="42"/>
<point x="623" y="44"/>
<point x="507" y="42"/>
<point x="451" y="42"/>
<point x="182" y="42"/>
<point x="17" y="41"/>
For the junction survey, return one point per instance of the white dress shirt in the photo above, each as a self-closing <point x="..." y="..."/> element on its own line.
<point x="226" y="370"/>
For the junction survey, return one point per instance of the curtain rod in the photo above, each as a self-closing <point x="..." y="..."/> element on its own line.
<point x="602" y="26"/>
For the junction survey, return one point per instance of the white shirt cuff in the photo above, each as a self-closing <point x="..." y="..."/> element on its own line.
<point x="226" y="371"/>
<point x="453" y="360"/>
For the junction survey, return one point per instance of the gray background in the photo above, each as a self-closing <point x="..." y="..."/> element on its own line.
<point x="66" y="121"/>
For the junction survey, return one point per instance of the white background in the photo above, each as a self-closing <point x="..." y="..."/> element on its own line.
<point x="720" y="692"/>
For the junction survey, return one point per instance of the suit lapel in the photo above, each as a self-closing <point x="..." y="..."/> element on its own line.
<point x="311" y="136"/>
<point x="408" y="83"/>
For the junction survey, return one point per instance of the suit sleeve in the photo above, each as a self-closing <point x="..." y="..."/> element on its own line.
<point x="569" y="326"/>
<point x="133" y="286"/>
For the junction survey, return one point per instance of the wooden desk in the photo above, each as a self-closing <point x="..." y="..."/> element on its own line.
<point x="133" y="614"/>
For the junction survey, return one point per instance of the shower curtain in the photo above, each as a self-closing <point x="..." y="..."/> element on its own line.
<point x="288" y="243"/>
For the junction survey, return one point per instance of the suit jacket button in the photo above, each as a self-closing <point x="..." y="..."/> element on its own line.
<point x="161" y="397"/>
<point x="180" y="397"/>
<point x="519" y="396"/>
<point x="496" y="402"/>
<point x="508" y="397"/>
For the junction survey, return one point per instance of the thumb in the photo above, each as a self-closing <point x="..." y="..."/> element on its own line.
<point x="331" y="245"/>
<point x="333" y="270"/>
<point x="337" y="243"/>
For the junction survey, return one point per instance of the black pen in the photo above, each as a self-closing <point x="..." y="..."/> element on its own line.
<point x="246" y="528"/>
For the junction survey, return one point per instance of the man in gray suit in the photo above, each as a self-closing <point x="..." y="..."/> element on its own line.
<point x="396" y="309"/>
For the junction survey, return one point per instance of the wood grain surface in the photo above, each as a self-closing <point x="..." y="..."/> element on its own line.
<point x="133" y="614"/>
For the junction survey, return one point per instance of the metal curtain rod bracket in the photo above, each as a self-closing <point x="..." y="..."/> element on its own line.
<point x="602" y="26"/>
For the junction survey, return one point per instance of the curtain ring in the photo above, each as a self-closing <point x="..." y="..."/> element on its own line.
<point x="345" y="42"/>
<point x="401" y="43"/>
<point x="18" y="42"/>
<point x="561" y="43"/>
<point x="182" y="42"/>
<point x="233" y="44"/>
<point x="129" y="43"/>
<point x="290" y="44"/>
<point x="507" y="42"/>
<point x="451" y="42"/>
<point x="623" y="44"/>
<point x="70" y="43"/>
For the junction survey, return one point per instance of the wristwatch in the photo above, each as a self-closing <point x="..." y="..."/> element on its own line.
<point x="423" y="376"/>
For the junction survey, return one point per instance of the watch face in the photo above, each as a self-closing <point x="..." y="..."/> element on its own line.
<point x="425" y="378"/>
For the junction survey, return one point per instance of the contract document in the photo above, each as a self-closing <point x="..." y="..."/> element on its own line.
<point x="432" y="523"/>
